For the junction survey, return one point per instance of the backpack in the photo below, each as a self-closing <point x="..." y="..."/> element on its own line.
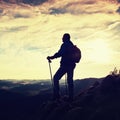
<point x="74" y="54"/>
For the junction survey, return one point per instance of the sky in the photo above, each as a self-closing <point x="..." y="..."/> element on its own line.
<point x="31" y="32"/>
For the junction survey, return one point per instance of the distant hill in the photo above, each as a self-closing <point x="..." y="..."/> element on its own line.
<point x="35" y="87"/>
<point x="23" y="100"/>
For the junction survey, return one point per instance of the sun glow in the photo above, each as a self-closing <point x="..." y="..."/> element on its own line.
<point x="100" y="51"/>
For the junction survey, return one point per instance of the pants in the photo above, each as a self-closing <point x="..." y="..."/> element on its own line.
<point x="58" y="75"/>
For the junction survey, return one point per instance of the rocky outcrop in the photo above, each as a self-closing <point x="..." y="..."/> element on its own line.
<point x="98" y="102"/>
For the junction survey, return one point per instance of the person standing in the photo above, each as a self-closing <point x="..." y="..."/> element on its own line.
<point x="66" y="66"/>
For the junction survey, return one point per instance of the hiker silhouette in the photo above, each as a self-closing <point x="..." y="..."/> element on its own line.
<point x="66" y="66"/>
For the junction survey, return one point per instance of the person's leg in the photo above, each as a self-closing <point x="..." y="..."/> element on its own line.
<point x="70" y="73"/>
<point x="61" y="71"/>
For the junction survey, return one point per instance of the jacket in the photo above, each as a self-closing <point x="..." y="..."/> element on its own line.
<point x="63" y="53"/>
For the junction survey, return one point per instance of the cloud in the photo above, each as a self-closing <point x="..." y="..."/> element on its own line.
<point x="81" y="7"/>
<point x="30" y="33"/>
<point x="87" y="2"/>
<point x="69" y="7"/>
<point x="19" y="15"/>
<point x="116" y="26"/>
<point x="14" y="29"/>
<point x="31" y="2"/>
<point x="57" y="11"/>
<point x="2" y="51"/>
<point x="16" y="11"/>
<point x="32" y="48"/>
<point x="34" y="2"/>
<point x="1" y="11"/>
<point x="118" y="1"/>
<point x="38" y="2"/>
<point x="118" y="10"/>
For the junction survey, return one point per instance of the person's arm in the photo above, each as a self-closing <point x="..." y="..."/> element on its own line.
<point x="58" y="54"/>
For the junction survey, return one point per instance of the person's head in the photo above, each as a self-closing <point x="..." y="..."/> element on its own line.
<point x="66" y="37"/>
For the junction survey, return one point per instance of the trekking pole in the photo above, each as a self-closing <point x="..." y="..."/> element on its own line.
<point x="66" y="87"/>
<point x="49" y="61"/>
